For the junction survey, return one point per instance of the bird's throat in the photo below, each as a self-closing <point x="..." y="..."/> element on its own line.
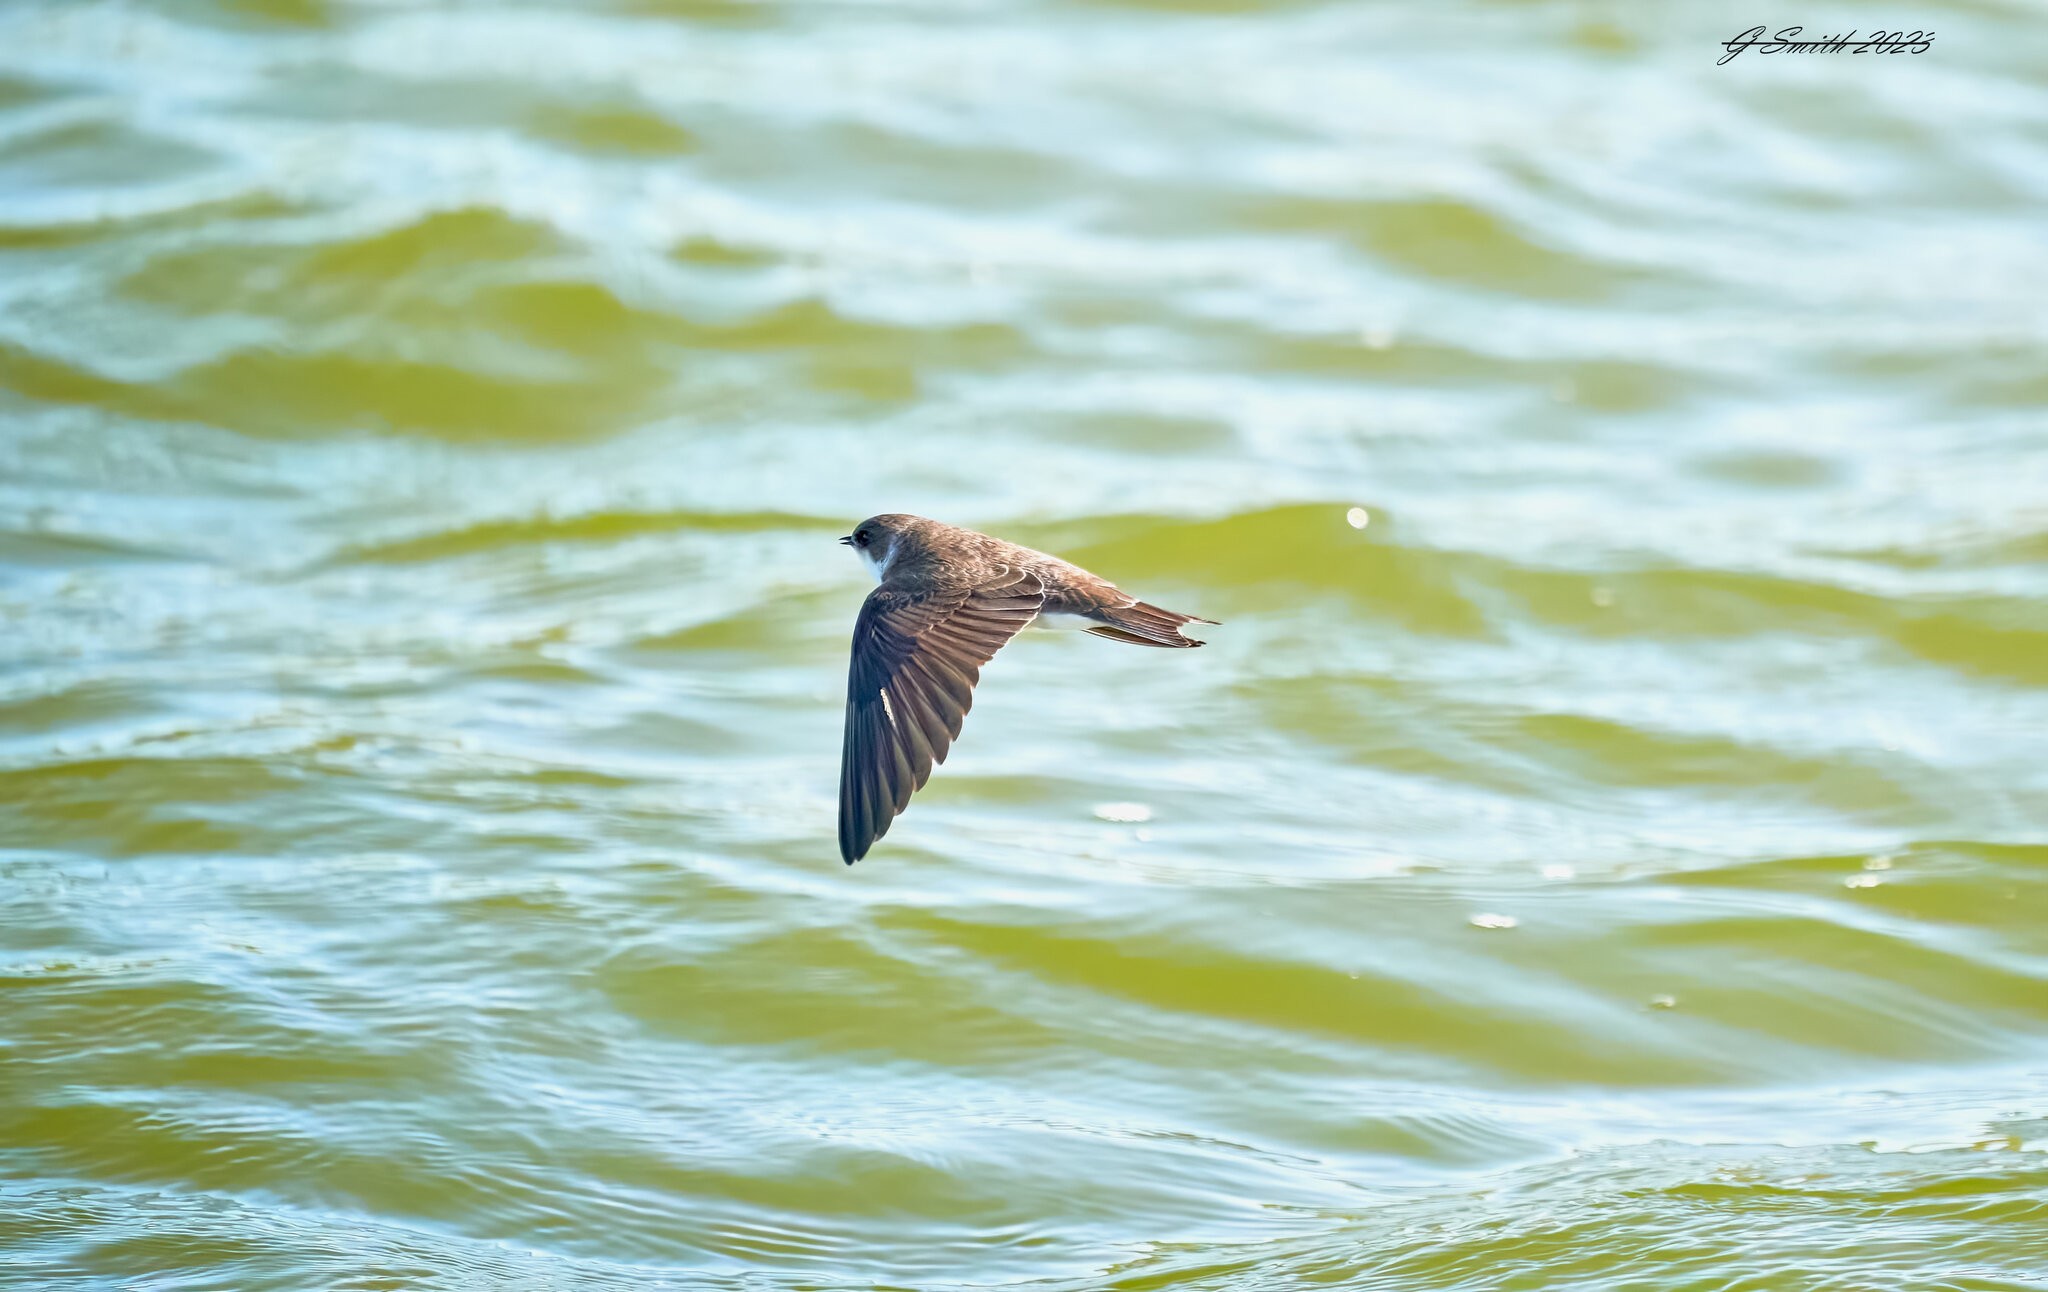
<point x="879" y="567"/>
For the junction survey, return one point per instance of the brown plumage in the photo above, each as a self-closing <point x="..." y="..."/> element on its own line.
<point x="950" y="599"/>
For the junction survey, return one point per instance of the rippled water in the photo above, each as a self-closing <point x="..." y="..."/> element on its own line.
<point x="1605" y="844"/>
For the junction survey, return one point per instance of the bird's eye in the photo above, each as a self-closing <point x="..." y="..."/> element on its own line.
<point x="861" y="536"/>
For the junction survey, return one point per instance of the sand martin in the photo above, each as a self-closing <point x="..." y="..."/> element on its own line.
<point x="950" y="598"/>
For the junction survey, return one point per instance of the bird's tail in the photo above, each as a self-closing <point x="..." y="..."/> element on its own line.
<point x="1142" y="624"/>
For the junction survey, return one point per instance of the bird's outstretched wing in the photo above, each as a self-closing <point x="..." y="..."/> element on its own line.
<point x="916" y="658"/>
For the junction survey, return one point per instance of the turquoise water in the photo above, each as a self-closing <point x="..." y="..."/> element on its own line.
<point x="1604" y="845"/>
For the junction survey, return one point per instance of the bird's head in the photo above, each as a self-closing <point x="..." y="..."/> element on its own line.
<point x="882" y="540"/>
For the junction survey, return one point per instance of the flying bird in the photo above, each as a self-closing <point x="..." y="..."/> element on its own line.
<point x="950" y="598"/>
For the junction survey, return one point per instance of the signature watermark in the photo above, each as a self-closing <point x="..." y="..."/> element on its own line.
<point x="1789" y="40"/>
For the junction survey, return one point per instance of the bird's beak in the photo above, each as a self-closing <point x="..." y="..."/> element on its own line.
<point x="848" y="540"/>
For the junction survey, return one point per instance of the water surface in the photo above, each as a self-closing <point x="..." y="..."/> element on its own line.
<point x="1605" y="844"/>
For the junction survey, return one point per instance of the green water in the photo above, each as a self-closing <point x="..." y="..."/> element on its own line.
<point x="1605" y="844"/>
